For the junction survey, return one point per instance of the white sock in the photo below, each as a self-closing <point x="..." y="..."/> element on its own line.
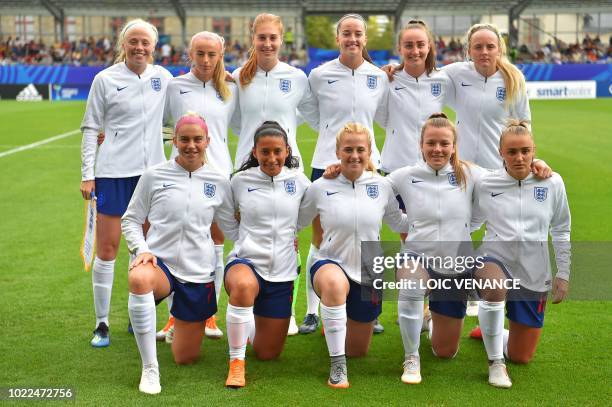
<point x="506" y="335"/>
<point x="169" y="302"/>
<point x="141" y="309"/>
<point x="312" y="300"/>
<point x="491" y="318"/>
<point x="252" y="329"/>
<point x="238" y="329"/>
<point x="102" y="280"/>
<point x="410" y="312"/>
<point x="430" y="331"/>
<point x="334" y="320"/>
<point x="218" y="270"/>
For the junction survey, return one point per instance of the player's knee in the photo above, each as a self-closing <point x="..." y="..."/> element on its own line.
<point x="445" y="352"/>
<point x="520" y="359"/>
<point x="107" y="250"/>
<point x="140" y="281"/>
<point x="266" y="354"/>
<point x="186" y="358"/>
<point x="243" y="287"/>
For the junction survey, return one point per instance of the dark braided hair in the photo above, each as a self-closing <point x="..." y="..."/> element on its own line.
<point x="269" y="129"/>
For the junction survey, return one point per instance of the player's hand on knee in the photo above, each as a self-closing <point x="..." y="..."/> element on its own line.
<point x="332" y="171"/>
<point x="144" y="258"/>
<point x="87" y="188"/>
<point x="540" y="169"/>
<point x="559" y="290"/>
<point x="101" y="138"/>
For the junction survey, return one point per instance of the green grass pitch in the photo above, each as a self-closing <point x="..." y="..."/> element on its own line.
<point x="46" y="311"/>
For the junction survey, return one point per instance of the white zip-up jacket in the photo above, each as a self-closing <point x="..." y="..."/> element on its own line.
<point x="273" y="95"/>
<point x="481" y="113"/>
<point x="519" y="216"/>
<point x="188" y="93"/>
<point x="410" y="102"/>
<point x="345" y="95"/>
<point x="180" y="206"/>
<point x="351" y="213"/>
<point x="438" y="209"/>
<point x="269" y="208"/>
<point x="128" y="109"/>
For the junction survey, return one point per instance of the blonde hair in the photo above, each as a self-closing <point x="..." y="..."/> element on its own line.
<point x="515" y="127"/>
<point x="248" y="71"/>
<point x="364" y="51"/>
<point x="513" y="77"/>
<point x="219" y="72"/>
<point x="356" y="128"/>
<point x="441" y="121"/>
<point x="136" y="23"/>
<point x="430" y="60"/>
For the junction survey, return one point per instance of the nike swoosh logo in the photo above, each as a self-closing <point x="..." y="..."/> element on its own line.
<point x="403" y="87"/>
<point x="416" y="181"/>
<point x="331" y="193"/>
<point x="252" y="189"/>
<point x="330" y="82"/>
<point x="120" y="89"/>
<point x="167" y="185"/>
<point x="184" y="91"/>
<point x="494" y="195"/>
<point x="465" y="84"/>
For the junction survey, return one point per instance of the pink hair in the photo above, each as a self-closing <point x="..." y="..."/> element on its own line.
<point x="191" y="118"/>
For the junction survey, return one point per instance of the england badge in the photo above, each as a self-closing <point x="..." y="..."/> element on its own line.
<point x="156" y="84"/>
<point x="209" y="190"/>
<point x="372" y="190"/>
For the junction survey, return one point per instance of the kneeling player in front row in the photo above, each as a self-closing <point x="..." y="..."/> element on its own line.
<point x="351" y="208"/>
<point x="261" y="269"/>
<point x="519" y="211"/>
<point x="180" y="198"/>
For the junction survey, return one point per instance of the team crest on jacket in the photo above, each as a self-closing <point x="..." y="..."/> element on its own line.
<point x="209" y="190"/>
<point x="285" y="85"/>
<point x="290" y="187"/>
<point x="372" y="81"/>
<point x="436" y="89"/>
<point x="540" y="193"/>
<point x="500" y="94"/>
<point x="452" y="179"/>
<point x="372" y="190"/>
<point x="156" y="84"/>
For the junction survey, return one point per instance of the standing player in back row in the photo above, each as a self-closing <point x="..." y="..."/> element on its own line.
<point x="205" y="91"/>
<point x="347" y="89"/>
<point x="126" y="103"/>
<point x="270" y="90"/>
<point x="489" y="90"/>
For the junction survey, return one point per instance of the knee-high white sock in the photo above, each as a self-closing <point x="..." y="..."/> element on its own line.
<point x="430" y="331"/>
<point x="491" y="318"/>
<point x="506" y="335"/>
<point x="312" y="300"/>
<point x="142" y="314"/>
<point x="252" y="329"/>
<point x="102" y="275"/>
<point x="410" y="312"/>
<point x="238" y="321"/>
<point x="334" y="319"/>
<point x="218" y="270"/>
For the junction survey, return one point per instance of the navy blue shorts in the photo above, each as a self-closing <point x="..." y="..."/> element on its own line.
<point x="316" y="174"/>
<point x="363" y="303"/>
<point x="193" y="302"/>
<point x="274" y="298"/>
<point x="402" y="206"/>
<point x="522" y="306"/>
<point x="450" y="302"/>
<point x="113" y="194"/>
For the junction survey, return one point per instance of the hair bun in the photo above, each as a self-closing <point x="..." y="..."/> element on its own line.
<point x="439" y="115"/>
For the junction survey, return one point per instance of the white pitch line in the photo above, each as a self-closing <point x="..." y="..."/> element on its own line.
<point x="39" y="143"/>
